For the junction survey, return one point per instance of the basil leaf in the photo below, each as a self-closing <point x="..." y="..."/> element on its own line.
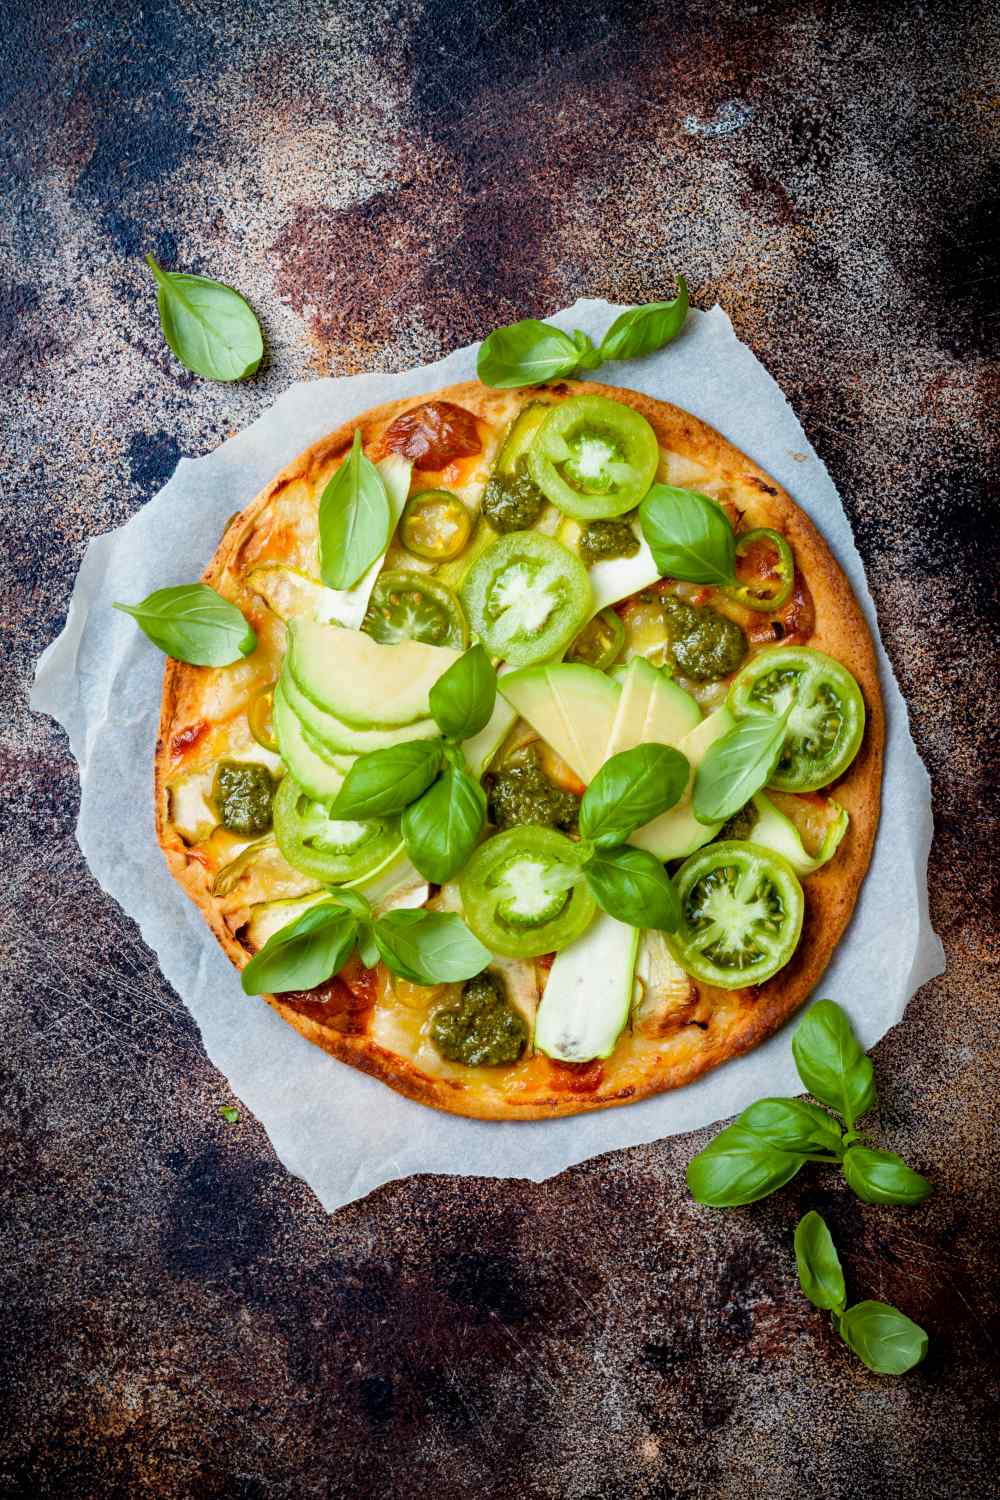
<point x="367" y="946"/>
<point x="588" y="358"/>
<point x="883" y="1177"/>
<point x="885" y="1339"/>
<point x="820" y="1273"/>
<point x="633" y="886"/>
<point x="356" y="904"/>
<point x="383" y="782"/>
<point x="689" y="535"/>
<point x="429" y="947"/>
<point x="442" y="827"/>
<point x="304" y="953"/>
<point x="526" y="353"/>
<point x="643" y="330"/>
<point x="738" y="1167"/>
<point x="193" y="623"/>
<point x="830" y="1062"/>
<point x="793" y="1125"/>
<point x="738" y="764"/>
<point x="209" y="326"/>
<point x="463" y="698"/>
<point x="354" y="520"/>
<point x="629" y="790"/>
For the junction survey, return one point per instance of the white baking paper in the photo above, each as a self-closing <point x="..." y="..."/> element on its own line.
<point x="339" y="1130"/>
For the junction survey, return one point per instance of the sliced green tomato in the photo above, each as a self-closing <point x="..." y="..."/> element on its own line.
<point x="360" y="681"/>
<point x="519" y="896"/>
<point x="526" y="597"/>
<point x="317" y="770"/>
<point x="741" y="914"/>
<point x="435" y="525"/>
<point x="571" y="706"/>
<point x="412" y="607"/>
<point x="594" y="457"/>
<point x="600" y="642"/>
<point x="774" y="830"/>
<point x="325" y="847"/>
<point x="827" y="719"/>
<point x="765" y="570"/>
<point x="588" y="993"/>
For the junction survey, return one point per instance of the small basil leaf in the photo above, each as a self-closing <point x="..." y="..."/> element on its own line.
<point x="367" y="946"/>
<point x="793" y="1125"/>
<point x="193" y="623"/>
<point x="883" y="1177"/>
<point x="633" y="886"/>
<point x="737" y="765"/>
<point x="820" y="1273"/>
<point x="526" y="353"/>
<point x="383" y="782"/>
<point x="629" y="790"/>
<point x="831" y="1064"/>
<point x="589" y="358"/>
<point x="353" y="900"/>
<point x="442" y="828"/>
<point x="354" y="520"/>
<point x="463" y="699"/>
<point x="429" y="947"/>
<point x="304" y="953"/>
<point x="209" y="326"/>
<point x="643" y="330"/>
<point x="738" y="1167"/>
<point x="885" y="1339"/>
<point x="689" y="535"/>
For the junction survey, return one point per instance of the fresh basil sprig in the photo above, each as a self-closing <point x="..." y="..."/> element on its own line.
<point x="772" y="1139"/>
<point x="689" y="535"/>
<point x="304" y="953"/>
<point x="531" y="352"/>
<point x="355" y="519"/>
<point x="885" y="1339"/>
<point x="429" y="947"/>
<point x="192" y="623"/>
<point x="384" y="782"/>
<point x="737" y="765"/>
<point x="464" y="697"/>
<point x="633" y="886"/>
<point x="442" y="828"/>
<point x="209" y="326"/>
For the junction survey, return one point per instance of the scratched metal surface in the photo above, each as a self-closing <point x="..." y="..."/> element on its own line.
<point x="386" y="181"/>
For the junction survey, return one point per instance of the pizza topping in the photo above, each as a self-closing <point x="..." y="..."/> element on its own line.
<point x="741" y="915"/>
<point x="413" y="607"/>
<point x="526" y="597"/>
<point x="330" y="849"/>
<point x="522" y="894"/>
<point x="806" y="830"/>
<point x="435" y="525"/>
<point x="433" y="434"/>
<point x="243" y="792"/>
<point x="512" y="500"/>
<point x="705" y="645"/>
<point x="481" y="1028"/>
<point x="594" y="457"/>
<point x="600" y="642"/>
<point x="612" y="538"/>
<point x="765" y="570"/>
<point x="824" y="707"/>
<point x="521" y="794"/>
<point x="259" y="717"/>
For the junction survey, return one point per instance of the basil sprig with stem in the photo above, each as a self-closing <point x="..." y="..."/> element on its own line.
<point x="209" y="326"/>
<point x="885" y="1339"/>
<point x="194" y="624"/>
<point x="531" y="352"/>
<point x="689" y="536"/>
<point x="772" y="1139"/>
<point x="355" y="519"/>
<point x="737" y="765"/>
<point x="425" y="947"/>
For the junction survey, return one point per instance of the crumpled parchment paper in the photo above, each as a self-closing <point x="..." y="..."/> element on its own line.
<point x="341" y="1131"/>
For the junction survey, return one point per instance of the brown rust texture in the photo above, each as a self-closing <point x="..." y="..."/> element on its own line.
<point x="385" y="181"/>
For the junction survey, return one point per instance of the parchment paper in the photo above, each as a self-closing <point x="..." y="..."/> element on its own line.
<point x="339" y="1130"/>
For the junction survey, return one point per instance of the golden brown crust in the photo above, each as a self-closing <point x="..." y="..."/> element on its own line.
<point x="737" y="1020"/>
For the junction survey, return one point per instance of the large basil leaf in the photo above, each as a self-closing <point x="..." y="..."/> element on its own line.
<point x="884" y="1338"/>
<point x="209" y="326"/>
<point x="383" y="782"/>
<point x="304" y="953"/>
<point x="442" y="828"/>
<point x="820" y="1273"/>
<point x="793" y="1125"/>
<point x="633" y="886"/>
<point x="193" y="623"/>
<point x="526" y="353"/>
<point x="738" y="1167"/>
<point x="737" y="765"/>
<point x="463" y="698"/>
<point x="831" y="1064"/>
<point x="883" y="1177"/>
<point x="354" y="520"/>
<point x="629" y="790"/>
<point x="689" y="535"/>
<point x="429" y="947"/>
<point x="643" y="330"/>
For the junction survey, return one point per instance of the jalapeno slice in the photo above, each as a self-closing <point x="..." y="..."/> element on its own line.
<point x="741" y="914"/>
<point x="765" y="570"/>
<point x="826" y="719"/>
<point x="412" y="607"/>
<point x="594" y="457"/>
<point x="435" y="525"/>
<point x="259" y="717"/>
<point x="527" y="596"/>
<point x="327" y="848"/>
<point x="600" y="642"/>
<point x="519" y="896"/>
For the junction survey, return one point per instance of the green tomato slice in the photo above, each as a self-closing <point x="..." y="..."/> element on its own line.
<point x="765" y="570"/>
<point x="741" y="914"/>
<point x="600" y="642"/>
<point x="826" y="722"/>
<point x="327" y="848"/>
<point x="519" y="896"/>
<point x="527" y="596"/>
<point x="435" y="525"/>
<point x="412" y="607"/>
<point x="594" y="457"/>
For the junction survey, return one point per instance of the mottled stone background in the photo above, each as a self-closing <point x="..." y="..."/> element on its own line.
<point x="385" y="181"/>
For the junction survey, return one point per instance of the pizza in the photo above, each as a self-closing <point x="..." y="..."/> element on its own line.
<point x="646" y="840"/>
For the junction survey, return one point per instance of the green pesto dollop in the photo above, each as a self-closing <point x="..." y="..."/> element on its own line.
<point x="481" y="1028"/>
<point x="513" y="502"/>
<point x="741" y="825"/>
<point x="522" y="793"/>
<point x="607" y="539"/>
<point x="705" y="644"/>
<point x="243" y="792"/>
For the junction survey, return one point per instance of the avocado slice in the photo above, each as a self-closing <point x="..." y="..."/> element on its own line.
<point x="652" y="709"/>
<point x="571" y="706"/>
<point x="318" y="775"/>
<point x="587" y="997"/>
<point x="341" y="739"/>
<point x="677" y="833"/>
<point x="363" y="683"/>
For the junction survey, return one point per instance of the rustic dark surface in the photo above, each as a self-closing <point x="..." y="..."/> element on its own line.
<point x="179" y="1318"/>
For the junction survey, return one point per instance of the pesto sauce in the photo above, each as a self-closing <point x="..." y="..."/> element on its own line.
<point x="610" y="538"/>
<point x="481" y="1028"/>
<point x="243" y="792"/>
<point x="521" y="793"/>
<point x="513" y="502"/>
<point x="705" y="644"/>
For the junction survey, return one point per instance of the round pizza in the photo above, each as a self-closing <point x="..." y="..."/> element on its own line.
<point x="544" y="773"/>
